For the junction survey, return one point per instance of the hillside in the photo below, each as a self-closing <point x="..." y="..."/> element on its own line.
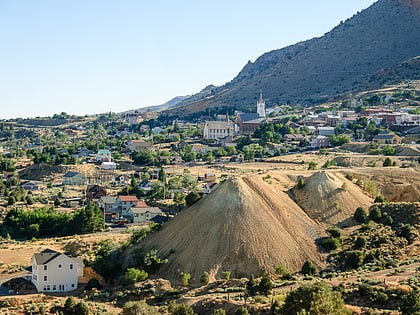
<point x="376" y="46"/>
<point x="245" y="225"/>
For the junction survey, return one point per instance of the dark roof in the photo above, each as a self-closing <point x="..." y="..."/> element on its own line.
<point x="46" y="256"/>
<point x="71" y="174"/>
<point x="160" y="219"/>
<point x="248" y="116"/>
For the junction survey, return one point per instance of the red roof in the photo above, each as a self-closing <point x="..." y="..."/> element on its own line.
<point x="128" y="198"/>
<point x="141" y="204"/>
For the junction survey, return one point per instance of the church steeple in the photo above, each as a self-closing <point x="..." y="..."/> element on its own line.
<point x="261" y="106"/>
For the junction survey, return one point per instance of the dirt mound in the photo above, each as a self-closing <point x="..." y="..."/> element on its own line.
<point x="330" y="198"/>
<point x="243" y="226"/>
<point x="407" y="151"/>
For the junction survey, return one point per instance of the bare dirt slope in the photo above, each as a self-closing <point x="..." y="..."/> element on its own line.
<point x="243" y="226"/>
<point x="329" y="198"/>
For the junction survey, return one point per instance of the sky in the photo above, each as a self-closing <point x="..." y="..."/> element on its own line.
<point x="96" y="56"/>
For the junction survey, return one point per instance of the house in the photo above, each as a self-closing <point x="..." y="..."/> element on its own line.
<point x="124" y="203"/>
<point x="132" y="118"/>
<point x="146" y="186"/>
<point x="74" y="178"/>
<point x="320" y="142"/>
<point x="55" y="272"/>
<point x="118" y="180"/>
<point x="29" y="186"/>
<point x="140" y="145"/>
<point x="218" y="129"/>
<point x="387" y="137"/>
<point x="103" y="155"/>
<point x="326" y="131"/>
<point x="95" y="192"/>
<point x="109" y="205"/>
<point x="142" y="212"/>
<point x="108" y="166"/>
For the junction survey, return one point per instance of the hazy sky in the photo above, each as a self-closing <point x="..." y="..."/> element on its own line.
<point x="94" y="56"/>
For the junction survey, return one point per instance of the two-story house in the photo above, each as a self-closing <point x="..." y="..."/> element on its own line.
<point x="54" y="272"/>
<point x="124" y="203"/>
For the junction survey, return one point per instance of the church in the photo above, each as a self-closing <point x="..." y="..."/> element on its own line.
<point x="247" y="123"/>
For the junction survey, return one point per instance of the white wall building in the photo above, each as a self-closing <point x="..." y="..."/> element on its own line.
<point x="54" y="272"/>
<point x="218" y="129"/>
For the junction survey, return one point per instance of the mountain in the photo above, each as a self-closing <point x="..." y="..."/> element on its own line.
<point x="156" y="108"/>
<point x="376" y="46"/>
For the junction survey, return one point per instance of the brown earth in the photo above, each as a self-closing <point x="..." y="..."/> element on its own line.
<point x="242" y="227"/>
<point x="329" y="198"/>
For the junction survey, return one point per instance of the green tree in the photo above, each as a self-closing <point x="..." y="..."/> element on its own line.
<point x="314" y="299"/>
<point x="301" y="183"/>
<point x="218" y="311"/>
<point x="354" y="258"/>
<point x="265" y="286"/>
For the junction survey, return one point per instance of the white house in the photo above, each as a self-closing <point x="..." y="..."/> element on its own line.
<point x="103" y="155"/>
<point x="54" y="272"/>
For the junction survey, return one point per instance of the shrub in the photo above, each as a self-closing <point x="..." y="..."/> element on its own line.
<point x="219" y="311"/>
<point x="360" y="215"/>
<point x="180" y="309"/>
<point x="283" y="271"/>
<point x="185" y="279"/>
<point x="242" y="311"/>
<point x="360" y="242"/>
<point x="81" y="308"/>
<point x="334" y="231"/>
<point x="380" y="199"/>
<point x="375" y="214"/>
<point x="301" y="183"/>
<point x="138" y="307"/>
<point x="354" y="258"/>
<point x="205" y="278"/>
<point x="387" y="162"/>
<point x="265" y="286"/>
<point x="410" y="303"/>
<point x="133" y="275"/>
<point x="309" y="268"/>
<point x="315" y="298"/>
<point x="226" y="274"/>
<point x="330" y="243"/>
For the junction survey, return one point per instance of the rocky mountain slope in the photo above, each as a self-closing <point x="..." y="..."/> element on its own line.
<point x="376" y="46"/>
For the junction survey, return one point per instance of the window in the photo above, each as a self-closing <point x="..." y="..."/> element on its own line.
<point x="71" y="266"/>
<point x="45" y="267"/>
<point x="45" y="278"/>
<point x="59" y="266"/>
<point x="54" y="287"/>
<point x="72" y="285"/>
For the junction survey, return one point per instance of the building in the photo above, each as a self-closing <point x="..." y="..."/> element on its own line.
<point x="74" y="178"/>
<point x="95" y="192"/>
<point x="143" y="213"/>
<point x="55" y="272"/>
<point x="246" y="123"/>
<point x="261" y="106"/>
<point x="103" y="155"/>
<point x="109" y="205"/>
<point x="124" y="203"/>
<point x="140" y="145"/>
<point x="218" y="129"/>
<point x="320" y="142"/>
<point x="387" y="138"/>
